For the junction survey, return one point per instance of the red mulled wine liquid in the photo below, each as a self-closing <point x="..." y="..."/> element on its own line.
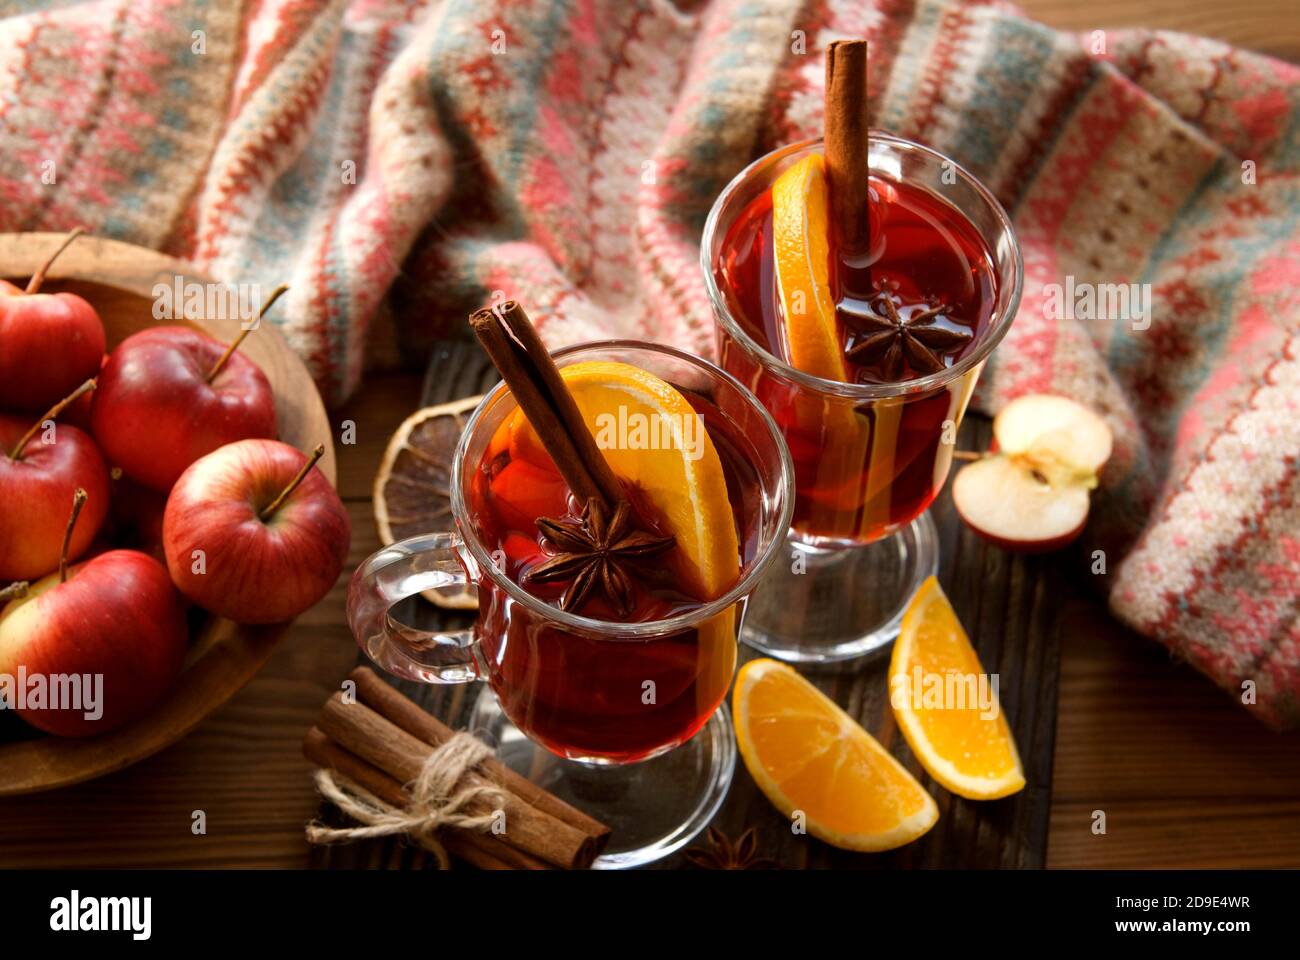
<point x="596" y="696"/>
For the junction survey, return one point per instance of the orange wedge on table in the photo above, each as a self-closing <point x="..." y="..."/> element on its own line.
<point x="680" y="473"/>
<point x="807" y="755"/>
<point x="965" y="745"/>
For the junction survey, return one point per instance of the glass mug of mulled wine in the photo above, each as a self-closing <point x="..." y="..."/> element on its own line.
<point x="614" y="710"/>
<point x="915" y="319"/>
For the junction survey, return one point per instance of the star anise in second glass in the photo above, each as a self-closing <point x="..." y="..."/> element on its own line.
<point x="886" y="338"/>
<point x="595" y="554"/>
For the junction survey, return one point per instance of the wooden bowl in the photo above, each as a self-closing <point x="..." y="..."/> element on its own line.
<point x="119" y="280"/>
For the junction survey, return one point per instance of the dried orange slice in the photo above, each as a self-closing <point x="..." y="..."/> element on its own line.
<point x="957" y="730"/>
<point x="412" y="491"/>
<point x="807" y="755"/>
<point x="801" y="244"/>
<point x="654" y="440"/>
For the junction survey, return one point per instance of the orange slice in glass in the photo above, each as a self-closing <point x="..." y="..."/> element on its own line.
<point x="654" y="441"/>
<point x="807" y="755"/>
<point x="801" y="243"/>
<point x="800" y="232"/>
<point x="949" y="715"/>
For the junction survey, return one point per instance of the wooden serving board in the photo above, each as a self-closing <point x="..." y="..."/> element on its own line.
<point x="119" y="281"/>
<point x="1009" y="605"/>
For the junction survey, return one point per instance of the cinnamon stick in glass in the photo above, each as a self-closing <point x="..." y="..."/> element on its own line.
<point x="846" y="130"/>
<point x="527" y="368"/>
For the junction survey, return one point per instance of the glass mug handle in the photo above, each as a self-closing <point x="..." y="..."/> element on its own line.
<point x="390" y="576"/>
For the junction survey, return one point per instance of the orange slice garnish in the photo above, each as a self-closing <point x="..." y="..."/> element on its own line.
<point x="801" y="243"/>
<point x="671" y="460"/>
<point x="808" y="756"/>
<point x="957" y="731"/>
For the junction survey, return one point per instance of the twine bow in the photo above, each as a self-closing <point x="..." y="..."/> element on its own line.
<point x="434" y="804"/>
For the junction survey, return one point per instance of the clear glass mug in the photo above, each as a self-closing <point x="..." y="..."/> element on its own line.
<point x="869" y="458"/>
<point x="570" y="706"/>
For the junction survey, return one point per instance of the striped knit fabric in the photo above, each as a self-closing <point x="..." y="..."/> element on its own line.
<point x="423" y="157"/>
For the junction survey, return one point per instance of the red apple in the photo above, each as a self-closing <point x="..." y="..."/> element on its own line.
<point x="40" y="468"/>
<point x="1032" y="496"/>
<point x="49" y="342"/>
<point x="117" y="616"/>
<point x="159" y="407"/>
<point x="115" y="624"/>
<point x="255" y="533"/>
<point x="1008" y="506"/>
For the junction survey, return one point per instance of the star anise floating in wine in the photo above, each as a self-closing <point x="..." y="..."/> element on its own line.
<point x="888" y="339"/>
<point x="721" y="854"/>
<point x="595" y="554"/>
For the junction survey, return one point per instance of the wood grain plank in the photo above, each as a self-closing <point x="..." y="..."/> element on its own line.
<point x="375" y="413"/>
<point x="1173" y="834"/>
<point x="1269" y="26"/>
<point x="1137" y="726"/>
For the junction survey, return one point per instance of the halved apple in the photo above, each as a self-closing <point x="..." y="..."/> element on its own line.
<point x="1053" y="429"/>
<point x="1032" y="494"/>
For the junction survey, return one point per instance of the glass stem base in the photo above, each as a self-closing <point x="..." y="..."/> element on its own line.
<point x="653" y="808"/>
<point x="827" y="606"/>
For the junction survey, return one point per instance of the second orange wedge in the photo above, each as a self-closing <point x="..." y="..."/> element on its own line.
<point x="946" y="706"/>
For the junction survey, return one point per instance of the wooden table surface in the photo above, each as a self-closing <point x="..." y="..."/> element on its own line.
<point x="1184" y="776"/>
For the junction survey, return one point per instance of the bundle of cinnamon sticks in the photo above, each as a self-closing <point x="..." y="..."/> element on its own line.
<point x="382" y="741"/>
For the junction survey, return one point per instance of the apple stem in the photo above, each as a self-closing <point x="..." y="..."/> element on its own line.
<point x="50" y="414"/>
<point x="275" y="295"/>
<point x="78" y="501"/>
<point x="968" y="455"/>
<point x="34" y="284"/>
<point x="275" y="505"/>
<point x="15" y="591"/>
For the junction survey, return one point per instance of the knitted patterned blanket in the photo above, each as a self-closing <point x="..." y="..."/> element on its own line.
<point x="421" y="157"/>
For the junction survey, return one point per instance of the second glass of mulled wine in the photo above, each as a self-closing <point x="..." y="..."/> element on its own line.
<point x="870" y="392"/>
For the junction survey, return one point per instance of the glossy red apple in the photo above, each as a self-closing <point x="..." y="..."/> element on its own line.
<point x="40" y="468"/>
<point x="1033" y="494"/>
<point x="255" y="532"/>
<point x="160" y="406"/>
<point x="115" y="617"/>
<point x="49" y="342"/>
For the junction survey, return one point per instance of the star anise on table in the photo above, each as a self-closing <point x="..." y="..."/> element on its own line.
<point x="595" y="554"/>
<point x="885" y="337"/>
<point x="721" y="854"/>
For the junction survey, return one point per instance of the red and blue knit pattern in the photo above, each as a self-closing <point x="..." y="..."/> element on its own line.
<point x="418" y="158"/>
